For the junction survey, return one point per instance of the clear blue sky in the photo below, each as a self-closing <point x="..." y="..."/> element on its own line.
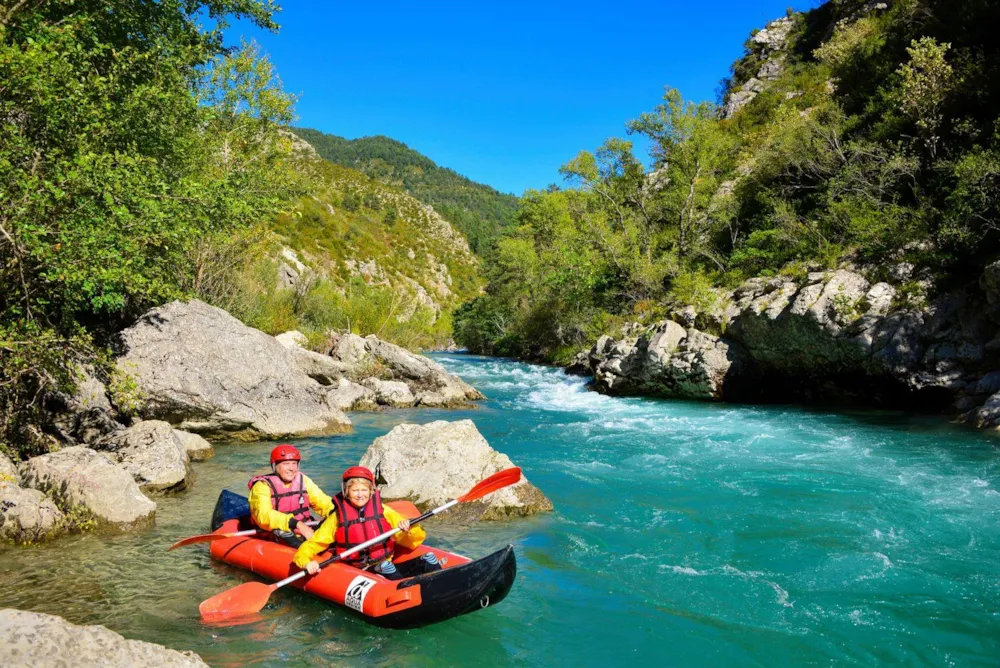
<point x="502" y="92"/>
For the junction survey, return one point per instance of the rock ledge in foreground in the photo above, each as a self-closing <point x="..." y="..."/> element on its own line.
<point x="43" y="641"/>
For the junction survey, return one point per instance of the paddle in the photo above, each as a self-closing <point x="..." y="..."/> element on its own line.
<point x="209" y="537"/>
<point x="251" y="597"/>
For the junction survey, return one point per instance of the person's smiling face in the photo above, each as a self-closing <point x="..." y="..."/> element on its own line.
<point x="286" y="470"/>
<point x="358" y="492"/>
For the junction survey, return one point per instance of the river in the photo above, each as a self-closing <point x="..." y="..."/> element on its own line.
<point x="684" y="534"/>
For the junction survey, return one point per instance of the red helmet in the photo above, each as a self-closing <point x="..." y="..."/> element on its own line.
<point x="284" y="453"/>
<point x="359" y="472"/>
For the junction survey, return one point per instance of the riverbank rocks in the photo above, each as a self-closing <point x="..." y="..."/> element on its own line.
<point x="202" y="370"/>
<point x="86" y="485"/>
<point x="830" y="336"/>
<point x="436" y="462"/>
<point x="46" y="641"/>
<point x="390" y="392"/>
<point x="8" y="472"/>
<point x="152" y="454"/>
<point x="196" y="447"/>
<point x="667" y="361"/>
<point x="27" y="516"/>
<point x="390" y="375"/>
<point x="428" y="382"/>
<point x="349" y="396"/>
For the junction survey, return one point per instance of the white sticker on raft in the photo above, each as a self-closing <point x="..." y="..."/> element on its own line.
<point x="356" y="592"/>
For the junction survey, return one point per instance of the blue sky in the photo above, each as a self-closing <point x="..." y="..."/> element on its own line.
<point x="502" y="92"/>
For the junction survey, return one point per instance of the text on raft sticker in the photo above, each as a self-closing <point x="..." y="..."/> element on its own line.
<point x="356" y="592"/>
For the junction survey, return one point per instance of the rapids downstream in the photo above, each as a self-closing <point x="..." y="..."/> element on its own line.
<point x="684" y="534"/>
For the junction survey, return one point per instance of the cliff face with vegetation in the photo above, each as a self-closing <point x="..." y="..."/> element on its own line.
<point x="350" y="254"/>
<point x="477" y="211"/>
<point x="859" y="136"/>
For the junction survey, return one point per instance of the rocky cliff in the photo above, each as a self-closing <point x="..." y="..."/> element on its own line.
<point x="830" y="336"/>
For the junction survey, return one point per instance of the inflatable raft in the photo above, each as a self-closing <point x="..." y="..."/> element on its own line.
<point x="462" y="585"/>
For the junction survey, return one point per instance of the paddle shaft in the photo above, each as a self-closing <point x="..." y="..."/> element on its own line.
<point x="366" y="544"/>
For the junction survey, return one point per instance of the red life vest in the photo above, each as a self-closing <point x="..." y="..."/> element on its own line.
<point x="291" y="499"/>
<point x="356" y="525"/>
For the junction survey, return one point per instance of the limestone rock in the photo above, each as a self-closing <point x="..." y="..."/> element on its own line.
<point x="292" y="339"/>
<point x="390" y="392"/>
<point x="669" y="361"/>
<point x="349" y="396"/>
<point x="46" y="641"/>
<point x="322" y="368"/>
<point x="81" y="480"/>
<point x="196" y="447"/>
<point x="151" y="452"/>
<point x="26" y="515"/>
<point x="370" y="359"/>
<point x="433" y="463"/>
<point x="8" y="472"/>
<point x="204" y="371"/>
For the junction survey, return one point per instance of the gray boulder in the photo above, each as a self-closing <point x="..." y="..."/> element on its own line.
<point x="390" y="392"/>
<point x="322" y="368"/>
<point x="350" y="396"/>
<point x="204" y="371"/>
<point x="88" y="486"/>
<point x="46" y="641"/>
<point x="27" y="516"/>
<point x="434" y="463"/>
<point x="8" y="472"/>
<point x="196" y="447"/>
<point x="151" y="452"/>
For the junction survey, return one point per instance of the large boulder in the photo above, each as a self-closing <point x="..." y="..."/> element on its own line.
<point x="151" y="452"/>
<point x="433" y="463"/>
<point x="196" y="447"/>
<point x="27" y="516"/>
<point x="86" y="485"/>
<point x="204" y="371"/>
<point x="46" y="641"/>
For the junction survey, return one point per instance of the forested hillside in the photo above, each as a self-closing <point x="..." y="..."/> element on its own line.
<point x="862" y="134"/>
<point x="476" y="210"/>
<point x="350" y="254"/>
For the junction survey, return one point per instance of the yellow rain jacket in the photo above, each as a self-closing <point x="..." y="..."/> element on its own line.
<point x="324" y="535"/>
<point x="266" y="517"/>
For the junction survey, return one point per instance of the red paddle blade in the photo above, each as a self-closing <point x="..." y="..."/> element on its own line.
<point x="194" y="540"/>
<point x="245" y="599"/>
<point x="498" y="480"/>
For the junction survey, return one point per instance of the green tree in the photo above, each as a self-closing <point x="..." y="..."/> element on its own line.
<point x="128" y="133"/>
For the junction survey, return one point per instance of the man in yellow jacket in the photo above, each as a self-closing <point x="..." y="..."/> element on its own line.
<point x="280" y="502"/>
<point x="359" y="517"/>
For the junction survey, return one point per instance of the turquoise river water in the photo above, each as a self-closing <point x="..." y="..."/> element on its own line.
<point x="684" y="534"/>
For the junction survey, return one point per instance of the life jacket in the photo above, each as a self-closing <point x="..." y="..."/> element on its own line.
<point x="292" y="499"/>
<point x="357" y="525"/>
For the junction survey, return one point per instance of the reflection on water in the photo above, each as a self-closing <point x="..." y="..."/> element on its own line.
<point x="687" y="533"/>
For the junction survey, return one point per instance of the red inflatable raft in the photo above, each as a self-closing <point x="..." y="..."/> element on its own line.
<point x="462" y="585"/>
